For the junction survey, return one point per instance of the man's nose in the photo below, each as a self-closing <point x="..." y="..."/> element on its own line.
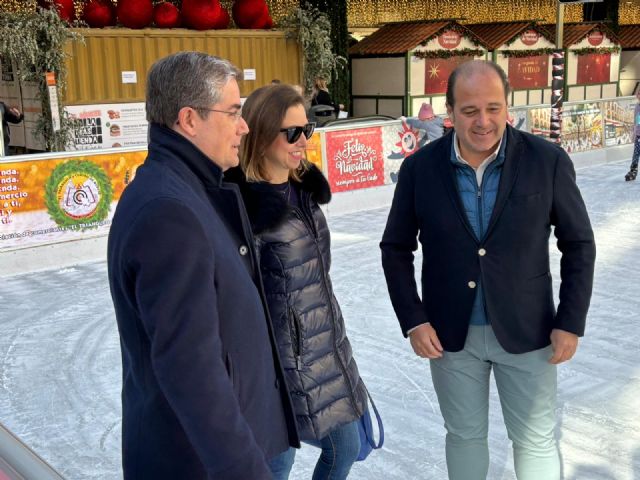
<point x="243" y="128"/>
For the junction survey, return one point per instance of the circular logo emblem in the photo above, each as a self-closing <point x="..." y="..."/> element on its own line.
<point x="78" y="194"/>
<point x="409" y="142"/>
<point x="595" y="38"/>
<point x="530" y="37"/>
<point x="449" y="39"/>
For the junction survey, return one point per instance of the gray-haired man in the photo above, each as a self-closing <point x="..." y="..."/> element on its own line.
<point x="201" y="396"/>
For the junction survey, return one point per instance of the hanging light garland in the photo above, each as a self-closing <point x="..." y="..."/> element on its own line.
<point x="373" y="13"/>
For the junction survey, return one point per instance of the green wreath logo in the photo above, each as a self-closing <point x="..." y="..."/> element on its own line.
<point x="78" y="194"/>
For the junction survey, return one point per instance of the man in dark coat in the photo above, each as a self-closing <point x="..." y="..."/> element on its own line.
<point x="203" y="389"/>
<point x="483" y="202"/>
<point x="9" y="115"/>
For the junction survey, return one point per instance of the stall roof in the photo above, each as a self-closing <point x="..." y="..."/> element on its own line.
<point x="574" y="32"/>
<point x="629" y="36"/>
<point x="400" y="37"/>
<point x="496" y="34"/>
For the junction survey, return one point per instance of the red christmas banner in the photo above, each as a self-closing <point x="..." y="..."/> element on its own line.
<point x="354" y="159"/>
<point x="437" y="71"/>
<point x="529" y="72"/>
<point x="594" y="68"/>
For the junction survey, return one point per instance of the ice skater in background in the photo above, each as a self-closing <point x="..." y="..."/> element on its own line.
<point x="633" y="168"/>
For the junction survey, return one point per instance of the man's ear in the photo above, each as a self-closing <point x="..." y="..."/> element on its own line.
<point x="449" y="110"/>
<point x="187" y="121"/>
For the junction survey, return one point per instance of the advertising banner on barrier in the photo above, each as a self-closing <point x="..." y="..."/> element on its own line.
<point x="399" y="140"/>
<point x="314" y="150"/>
<point x="46" y="201"/>
<point x="582" y="127"/>
<point x="108" y="125"/>
<point x="354" y="158"/>
<point x="618" y="122"/>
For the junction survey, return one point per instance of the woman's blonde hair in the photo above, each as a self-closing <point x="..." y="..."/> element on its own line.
<point x="321" y="84"/>
<point x="264" y="110"/>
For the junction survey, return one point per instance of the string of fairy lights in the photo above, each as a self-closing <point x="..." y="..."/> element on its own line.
<point x="372" y="13"/>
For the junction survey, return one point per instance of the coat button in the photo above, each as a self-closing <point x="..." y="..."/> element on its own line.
<point x="482" y="252"/>
<point x="243" y="250"/>
<point x="472" y="284"/>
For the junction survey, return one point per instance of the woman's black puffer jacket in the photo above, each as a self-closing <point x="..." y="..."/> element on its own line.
<point x="294" y="249"/>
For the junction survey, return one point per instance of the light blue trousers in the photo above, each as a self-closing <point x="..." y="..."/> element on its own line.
<point x="527" y="386"/>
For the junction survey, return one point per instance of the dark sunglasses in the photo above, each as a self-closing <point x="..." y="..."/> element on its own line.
<point x="293" y="133"/>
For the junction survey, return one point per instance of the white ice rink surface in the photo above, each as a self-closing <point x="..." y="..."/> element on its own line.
<point x="60" y="374"/>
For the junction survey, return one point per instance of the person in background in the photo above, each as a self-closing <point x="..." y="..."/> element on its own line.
<point x="482" y="202"/>
<point x="282" y="192"/>
<point x="633" y="168"/>
<point x="321" y="95"/>
<point x="9" y="115"/>
<point x="203" y="394"/>
<point x="427" y="121"/>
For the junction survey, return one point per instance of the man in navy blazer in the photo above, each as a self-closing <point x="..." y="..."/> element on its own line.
<point x="483" y="201"/>
<point x="203" y="390"/>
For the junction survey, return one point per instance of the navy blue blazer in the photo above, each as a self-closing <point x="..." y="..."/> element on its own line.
<point x="203" y="390"/>
<point x="537" y="192"/>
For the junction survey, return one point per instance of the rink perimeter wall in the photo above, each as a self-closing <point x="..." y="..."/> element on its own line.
<point x="56" y="208"/>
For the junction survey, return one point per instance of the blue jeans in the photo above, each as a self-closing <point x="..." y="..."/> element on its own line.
<point x="527" y="389"/>
<point x="340" y="449"/>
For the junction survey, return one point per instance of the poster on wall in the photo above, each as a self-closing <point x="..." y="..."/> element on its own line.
<point x="45" y="201"/>
<point x="108" y="125"/>
<point x="582" y="127"/>
<point x="10" y="95"/>
<point x="594" y="68"/>
<point x="618" y="122"/>
<point x="437" y="71"/>
<point x="529" y="72"/>
<point x="354" y="158"/>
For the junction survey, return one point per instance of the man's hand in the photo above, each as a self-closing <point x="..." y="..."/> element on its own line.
<point x="564" y="345"/>
<point x="424" y="341"/>
<point x="15" y="111"/>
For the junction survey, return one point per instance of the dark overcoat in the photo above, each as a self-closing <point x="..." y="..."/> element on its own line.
<point x="537" y="194"/>
<point x="203" y="395"/>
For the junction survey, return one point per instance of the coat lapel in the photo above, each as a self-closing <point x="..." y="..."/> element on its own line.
<point x="508" y="176"/>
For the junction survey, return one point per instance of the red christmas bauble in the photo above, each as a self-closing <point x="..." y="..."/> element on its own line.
<point x="249" y="13"/>
<point x="166" y="15"/>
<point x="65" y="8"/>
<point x="135" y="13"/>
<point x="201" y="14"/>
<point x="223" y="20"/>
<point x="99" y="13"/>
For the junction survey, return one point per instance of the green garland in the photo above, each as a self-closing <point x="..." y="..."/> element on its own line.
<point x="35" y="43"/>
<point x="462" y="52"/>
<point x="527" y="53"/>
<point x="590" y="50"/>
<point x="58" y="179"/>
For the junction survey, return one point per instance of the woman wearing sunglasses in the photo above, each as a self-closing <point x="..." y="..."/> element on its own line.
<point x="282" y="192"/>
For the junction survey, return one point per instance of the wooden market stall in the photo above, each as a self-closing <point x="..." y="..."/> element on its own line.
<point x="523" y="50"/>
<point x="97" y="69"/>
<point x="402" y="65"/>
<point x="592" y="61"/>
<point x="629" y="36"/>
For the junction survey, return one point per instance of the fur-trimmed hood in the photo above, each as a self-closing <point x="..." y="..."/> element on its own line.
<point x="266" y="207"/>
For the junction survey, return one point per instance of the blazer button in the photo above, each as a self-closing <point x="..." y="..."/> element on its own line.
<point x="243" y="250"/>
<point x="472" y="284"/>
<point x="482" y="252"/>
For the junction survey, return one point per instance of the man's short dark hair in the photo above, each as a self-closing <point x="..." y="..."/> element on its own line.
<point x="473" y="66"/>
<point x="186" y="79"/>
